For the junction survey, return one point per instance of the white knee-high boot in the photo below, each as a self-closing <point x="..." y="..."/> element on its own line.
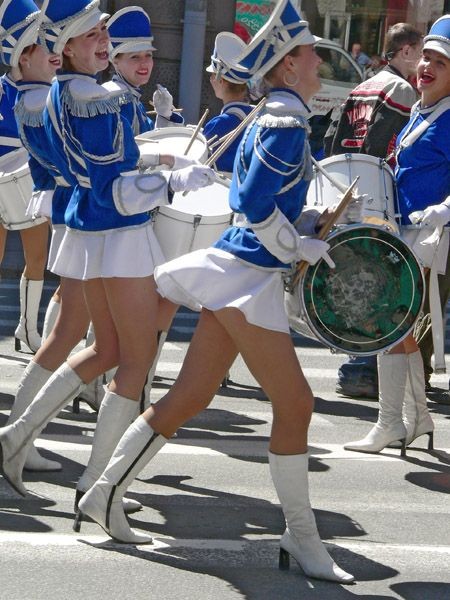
<point x="103" y="502"/>
<point x="392" y="374"/>
<point x="33" y="379"/>
<point x="415" y="410"/>
<point x="51" y="314"/>
<point x="115" y="416"/>
<point x="16" y="439"/>
<point x="145" y="396"/>
<point x="30" y="298"/>
<point x="301" y="538"/>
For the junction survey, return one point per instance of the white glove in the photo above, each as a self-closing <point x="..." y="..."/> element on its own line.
<point x="148" y="161"/>
<point x="353" y="212"/>
<point x="313" y="250"/>
<point x="180" y="162"/>
<point x="163" y="102"/>
<point x="191" y="178"/>
<point x="437" y="215"/>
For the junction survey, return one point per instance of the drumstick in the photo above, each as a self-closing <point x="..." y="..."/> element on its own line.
<point x="340" y="186"/>
<point x="229" y="139"/>
<point x="233" y="135"/>
<point x="324" y="230"/>
<point x="214" y="142"/>
<point x="196" y="131"/>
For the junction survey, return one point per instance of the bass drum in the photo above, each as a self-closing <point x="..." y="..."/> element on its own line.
<point x="173" y="140"/>
<point x="369" y="302"/>
<point x="376" y="183"/>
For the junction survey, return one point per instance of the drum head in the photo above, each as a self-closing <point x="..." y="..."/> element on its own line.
<point x="373" y="297"/>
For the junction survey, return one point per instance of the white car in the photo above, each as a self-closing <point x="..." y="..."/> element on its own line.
<point x="339" y="74"/>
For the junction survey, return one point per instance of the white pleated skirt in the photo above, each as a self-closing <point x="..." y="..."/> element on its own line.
<point x="58" y="232"/>
<point x="215" y="279"/>
<point x="126" y="252"/>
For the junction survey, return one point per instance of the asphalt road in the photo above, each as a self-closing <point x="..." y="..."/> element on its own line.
<point x="211" y="507"/>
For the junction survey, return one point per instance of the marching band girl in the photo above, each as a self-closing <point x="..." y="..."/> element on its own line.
<point x="238" y="284"/>
<point x="132" y="57"/>
<point x="423" y="187"/>
<point x="230" y="86"/>
<point x="19" y="21"/>
<point x="108" y="244"/>
<point x="51" y="196"/>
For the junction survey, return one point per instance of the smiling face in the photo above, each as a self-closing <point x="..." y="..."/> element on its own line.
<point x="135" y="67"/>
<point x="88" y="53"/>
<point x="433" y="77"/>
<point x="36" y="64"/>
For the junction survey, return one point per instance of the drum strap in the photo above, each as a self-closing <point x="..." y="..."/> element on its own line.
<point x="411" y="136"/>
<point x="437" y="321"/>
<point x="10" y="141"/>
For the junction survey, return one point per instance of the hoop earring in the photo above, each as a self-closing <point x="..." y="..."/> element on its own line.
<point x="290" y="83"/>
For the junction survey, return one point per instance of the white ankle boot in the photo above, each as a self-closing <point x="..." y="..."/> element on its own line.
<point x="16" y="439"/>
<point x="103" y="502"/>
<point x="145" y="396"/>
<point x="392" y="373"/>
<point x="301" y="538"/>
<point x="30" y="298"/>
<point x="33" y="379"/>
<point x="115" y="416"/>
<point x="51" y="314"/>
<point x="415" y="410"/>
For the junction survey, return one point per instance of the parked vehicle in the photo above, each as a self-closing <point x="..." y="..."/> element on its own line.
<point x="339" y="74"/>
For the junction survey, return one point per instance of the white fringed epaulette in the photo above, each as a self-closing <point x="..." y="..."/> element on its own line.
<point x="88" y="99"/>
<point x="29" y="110"/>
<point x="119" y="89"/>
<point x="284" y="110"/>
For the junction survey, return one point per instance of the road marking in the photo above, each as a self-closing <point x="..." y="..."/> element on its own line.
<point x="231" y="448"/>
<point x="242" y="546"/>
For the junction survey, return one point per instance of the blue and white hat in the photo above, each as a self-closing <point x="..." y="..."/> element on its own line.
<point x="438" y="38"/>
<point x="284" y="30"/>
<point x="130" y="30"/>
<point x="19" y="26"/>
<point x="65" y="19"/>
<point x="227" y="48"/>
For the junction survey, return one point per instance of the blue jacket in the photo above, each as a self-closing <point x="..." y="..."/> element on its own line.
<point x="272" y="169"/>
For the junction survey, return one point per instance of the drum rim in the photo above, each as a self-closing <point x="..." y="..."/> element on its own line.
<point x="354" y="352"/>
<point x="367" y="158"/>
<point x="168" y="132"/>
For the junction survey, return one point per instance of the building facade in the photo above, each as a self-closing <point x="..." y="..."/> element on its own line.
<point x="184" y="32"/>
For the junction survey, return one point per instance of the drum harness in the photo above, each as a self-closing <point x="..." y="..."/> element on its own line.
<point x="435" y="306"/>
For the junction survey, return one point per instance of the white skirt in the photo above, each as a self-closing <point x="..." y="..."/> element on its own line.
<point x="58" y="232"/>
<point x="215" y="279"/>
<point x="126" y="252"/>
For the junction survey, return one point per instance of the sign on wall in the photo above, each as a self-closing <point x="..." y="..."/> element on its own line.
<point x="251" y="16"/>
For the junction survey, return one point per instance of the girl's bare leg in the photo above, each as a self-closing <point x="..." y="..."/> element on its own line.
<point x="104" y="352"/>
<point x="209" y="356"/>
<point x="34" y="242"/>
<point x="70" y="327"/>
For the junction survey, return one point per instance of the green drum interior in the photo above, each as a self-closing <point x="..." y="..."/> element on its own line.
<point x="372" y="298"/>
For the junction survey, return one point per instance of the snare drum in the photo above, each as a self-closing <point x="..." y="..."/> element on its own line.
<point x="369" y="302"/>
<point x="194" y="221"/>
<point x="16" y="188"/>
<point x="376" y="180"/>
<point x="174" y="140"/>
